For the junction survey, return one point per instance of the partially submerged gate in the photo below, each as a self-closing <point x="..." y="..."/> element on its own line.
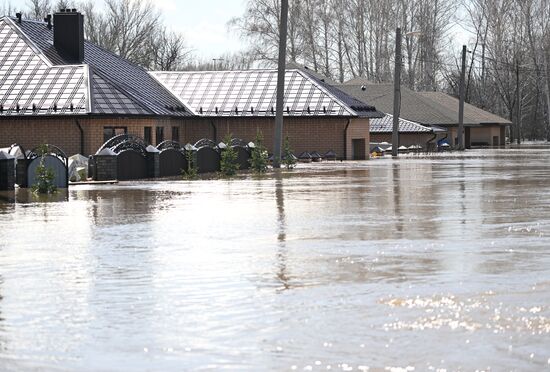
<point x="131" y="156"/>
<point x="243" y="152"/>
<point x="54" y="159"/>
<point x="172" y="159"/>
<point x="208" y="156"/>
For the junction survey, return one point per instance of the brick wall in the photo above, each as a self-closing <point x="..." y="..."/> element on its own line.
<point x="305" y="134"/>
<point x="405" y="139"/>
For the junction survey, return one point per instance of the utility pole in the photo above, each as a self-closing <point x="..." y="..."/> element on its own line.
<point x="217" y="60"/>
<point x="518" y="103"/>
<point x="278" y="138"/>
<point x="461" y="101"/>
<point x="396" y="94"/>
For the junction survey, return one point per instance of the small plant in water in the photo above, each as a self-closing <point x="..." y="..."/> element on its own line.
<point x="288" y="157"/>
<point x="192" y="170"/>
<point x="259" y="156"/>
<point x="228" y="161"/>
<point x="44" y="176"/>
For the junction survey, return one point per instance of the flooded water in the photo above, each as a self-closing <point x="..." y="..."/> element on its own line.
<point x="425" y="263"/>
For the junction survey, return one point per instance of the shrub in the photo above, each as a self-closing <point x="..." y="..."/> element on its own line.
<point x="288" y="157"/>
<point x="228" y="161"/>
<point x="192" y="170"/>
<point x="259" y="156"/>
<point x="44" y="176"/>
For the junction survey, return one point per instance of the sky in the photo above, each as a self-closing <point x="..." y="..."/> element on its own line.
<point x="202" y="22"/>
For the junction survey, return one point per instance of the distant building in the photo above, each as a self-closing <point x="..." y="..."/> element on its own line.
<point x="410" y="133"/>
<point x="434" y="109"/>
<point x="57" y="88"/>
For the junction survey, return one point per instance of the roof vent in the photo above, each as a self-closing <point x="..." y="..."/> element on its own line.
<point x="68" y="35"/>
<point x="19" y="16"/>
<point x="363" y="88"/>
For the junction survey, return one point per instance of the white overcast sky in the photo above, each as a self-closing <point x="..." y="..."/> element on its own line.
<point x="202" y="22"/>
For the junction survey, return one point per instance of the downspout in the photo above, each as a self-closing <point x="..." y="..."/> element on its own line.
<point x="430" y="141"/>
<point x="214" y="130"/>
<point x="81" y="136"/>
<point x="345" y="157"/>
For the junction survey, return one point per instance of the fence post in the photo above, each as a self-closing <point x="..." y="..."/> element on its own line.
<point x="153" y="164"/>
<point x="7" y="171"/>
<point x="104" y="165"/>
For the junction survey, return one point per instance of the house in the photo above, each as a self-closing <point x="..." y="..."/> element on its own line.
<point x="381" y="128"/>
<point x="410" y="133"/>
<point x="58" y="88"/>
<point x="317" y="117"/>
<point x="436" y="110"/>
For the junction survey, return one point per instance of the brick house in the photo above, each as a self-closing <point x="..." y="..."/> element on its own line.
<point x="436" y="110"/>
<point x="57" y="88"/>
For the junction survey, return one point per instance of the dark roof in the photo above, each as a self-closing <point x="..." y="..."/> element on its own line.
<point x="252" y="93"/>
<point x="415" y="106"/>
<point x="117" y="86"/>
<point x="385" y="125"/>
<point x="360" y="106"/>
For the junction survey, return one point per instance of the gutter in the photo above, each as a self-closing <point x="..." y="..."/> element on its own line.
<point x="81" y="136"/>
<point x="214" y="130"/>
<point x="345" y="157"/>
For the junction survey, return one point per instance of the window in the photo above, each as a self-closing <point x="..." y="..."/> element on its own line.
<point x="147" y="135"/>
<point x="176" y="134"/>
<point x="159" y="134"/>
<point x="110" y="132"/>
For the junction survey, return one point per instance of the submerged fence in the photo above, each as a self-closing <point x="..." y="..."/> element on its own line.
<point x="127" y="157"/>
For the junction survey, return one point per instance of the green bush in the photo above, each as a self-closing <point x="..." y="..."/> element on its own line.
<point x="192" y="170"/>
<point x="288" y="157"/>
<point x="228" y="161"/>
<point x="44" y="176"/>
<point x="259" y="156"/>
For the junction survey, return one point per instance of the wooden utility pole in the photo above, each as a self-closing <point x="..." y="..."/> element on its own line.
<point x="396" y="94"/>
<point x="461" y="93"/>
<point x="518" y="105"/>
<point x="278" y="138"/>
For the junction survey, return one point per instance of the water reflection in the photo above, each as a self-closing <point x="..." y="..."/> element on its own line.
<point x="344" y="265"/>
<point x="281" y="272"/>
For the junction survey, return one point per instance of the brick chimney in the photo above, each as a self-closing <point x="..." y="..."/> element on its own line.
<point x="68" y="34"/>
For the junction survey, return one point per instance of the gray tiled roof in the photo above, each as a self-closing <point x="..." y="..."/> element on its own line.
<point x="362" y="108"/>
<point x="30" y="85"/>
<point x="251" y="93"/>
<point x="415" y="106"/>
<point x="122" y="87"/>
<point x="385" y="125"/>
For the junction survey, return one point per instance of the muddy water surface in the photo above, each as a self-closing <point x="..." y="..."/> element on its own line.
<point x="431" y="263"/>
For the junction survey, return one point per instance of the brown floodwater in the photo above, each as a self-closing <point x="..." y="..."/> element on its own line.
<point x="438" y="263"/>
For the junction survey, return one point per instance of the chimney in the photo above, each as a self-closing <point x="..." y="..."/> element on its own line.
<point x="68" y="34"/>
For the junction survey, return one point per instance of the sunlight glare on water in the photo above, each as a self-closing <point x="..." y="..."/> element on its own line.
<point x="438" y="263"/>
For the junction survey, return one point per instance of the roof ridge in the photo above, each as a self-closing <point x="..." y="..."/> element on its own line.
<point x="333" y="96"/>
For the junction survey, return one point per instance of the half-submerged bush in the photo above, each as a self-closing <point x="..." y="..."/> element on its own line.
<point x="289" y="160"/>
<point x="192" y="170"/>
<point x="228" y="161"/>
<point x="259" y="156"/>
<point x="44" y="176"/>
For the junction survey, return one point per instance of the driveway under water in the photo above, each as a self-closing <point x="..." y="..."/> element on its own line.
<point x="431" y="263"/>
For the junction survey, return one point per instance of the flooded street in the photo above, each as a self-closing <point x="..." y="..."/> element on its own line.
<point x="431" y="263"/>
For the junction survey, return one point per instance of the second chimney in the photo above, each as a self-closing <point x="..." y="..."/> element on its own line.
<point x="68" y="35"/>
